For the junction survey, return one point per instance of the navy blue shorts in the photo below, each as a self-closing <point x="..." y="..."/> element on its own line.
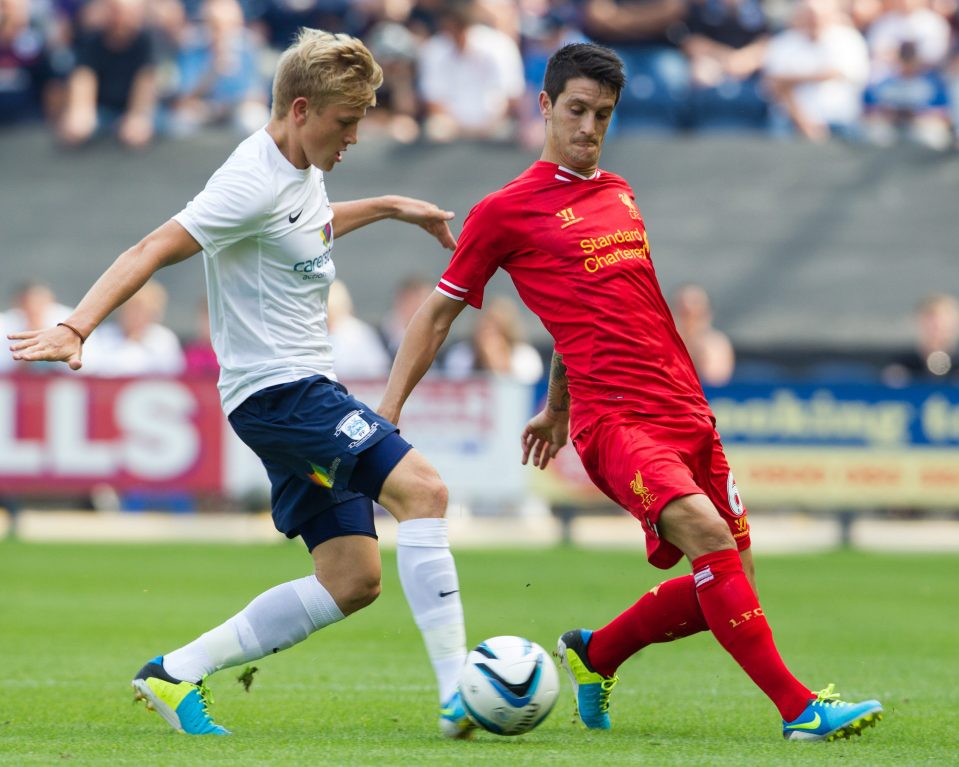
<point x="326" y="453"/>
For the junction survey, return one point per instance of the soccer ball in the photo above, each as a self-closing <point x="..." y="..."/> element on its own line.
<point x="509" y="685"/>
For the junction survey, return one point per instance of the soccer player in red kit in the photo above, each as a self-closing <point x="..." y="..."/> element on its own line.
<point x="623" y="388"/>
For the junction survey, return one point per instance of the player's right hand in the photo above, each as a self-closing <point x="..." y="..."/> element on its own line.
<point x="543" y="437"/>
<point x="57" y="344"/>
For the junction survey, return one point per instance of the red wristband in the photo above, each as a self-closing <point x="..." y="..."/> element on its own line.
<point x="70" y="327"/>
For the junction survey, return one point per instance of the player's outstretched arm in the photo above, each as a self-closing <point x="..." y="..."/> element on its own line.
<point x="355" y="214"/>
<point x="422" y="340"/>
<point x="548" y="430"/>
<point x="64" y="343"/>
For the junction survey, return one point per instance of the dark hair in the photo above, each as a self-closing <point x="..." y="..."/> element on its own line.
<point x="462" y="13"/>
<point x="908" y="51"/>
<point x="583" y="60"/>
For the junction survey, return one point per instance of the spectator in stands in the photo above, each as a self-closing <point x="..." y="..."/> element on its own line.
<point x="34" y="306"/>
<point x="935" y="356"/>
<point x="470" y="78"/>
<point x="28" y="82"/>
<point x="198" y="354"/>
<point x="911" y="102"/>
<point x="407" y="297"/>
<point x="62" y="19"/>
<point x="114" y="82"/>
<point x="394" y="46"/>
<point x="503" y="15"/>
<point x="423" y="20"/>
<point x="136" y="344"/>
<point x="497" y="346"/>
<point x="710" y="349"/>
<point x="726" y="43"/>
<point x="71" y="11"/>
<point x="279" y="21"/>
<point x="170" y="28"/>
<point x="645" y="34"/>
<point x="910" y="21"/>
<point x="862" y="13"/>
<point x="219" y="77"/>
<point x="816" y="72"/>
<point x="358" y="352"/>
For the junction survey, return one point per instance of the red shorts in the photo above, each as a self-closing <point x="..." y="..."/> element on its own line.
<point x="644" y="462"/>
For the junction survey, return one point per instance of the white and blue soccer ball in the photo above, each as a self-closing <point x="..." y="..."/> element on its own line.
<point x="509" y="685"/>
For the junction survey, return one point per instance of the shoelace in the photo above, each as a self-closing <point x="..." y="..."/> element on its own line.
<point x="829" y="697"/>
<point x="206" y="696"/>
<point x="605" y="687"/>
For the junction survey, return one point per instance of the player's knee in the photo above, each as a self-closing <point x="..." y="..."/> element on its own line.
<point x="436" y="497"/>
<point x="714" y="535"/>
<point x="415" y="490"/>
<point x="694" y="525"/>
<point x="428" y="498"/>
<point x="358" y="593"/>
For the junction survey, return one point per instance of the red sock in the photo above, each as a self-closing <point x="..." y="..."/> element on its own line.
<point x="667" y="612"/>
<point x="734" y="616"/>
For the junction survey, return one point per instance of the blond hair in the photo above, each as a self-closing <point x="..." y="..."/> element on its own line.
<point x="325" y="68"/>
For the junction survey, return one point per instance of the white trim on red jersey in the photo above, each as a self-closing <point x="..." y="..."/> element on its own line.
<point x="450" y="290"/>
<point x="579" y="176"/>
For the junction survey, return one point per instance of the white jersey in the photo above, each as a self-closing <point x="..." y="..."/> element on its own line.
<point x="266" y="229"/>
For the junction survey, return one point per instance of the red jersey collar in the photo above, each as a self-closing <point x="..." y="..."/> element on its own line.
<point x="561" y="173"/>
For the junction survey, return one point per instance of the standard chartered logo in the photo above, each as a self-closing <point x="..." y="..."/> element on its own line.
<point x="635" y="240"/>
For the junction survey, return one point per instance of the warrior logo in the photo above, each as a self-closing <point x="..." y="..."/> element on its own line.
<point x="569" y="218"/>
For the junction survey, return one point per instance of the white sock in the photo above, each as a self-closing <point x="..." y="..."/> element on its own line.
<point x="275" y="620"/>
<point x="428" y="576"/>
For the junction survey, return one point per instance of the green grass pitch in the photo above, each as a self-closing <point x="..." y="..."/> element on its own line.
<point x="77" y="621"/>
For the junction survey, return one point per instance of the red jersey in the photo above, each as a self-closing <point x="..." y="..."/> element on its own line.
<point x="576" y="249"/>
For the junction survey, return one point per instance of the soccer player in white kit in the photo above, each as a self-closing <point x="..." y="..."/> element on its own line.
<point x="266" y="229"/>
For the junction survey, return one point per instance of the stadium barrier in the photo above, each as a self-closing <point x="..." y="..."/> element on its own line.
<point x="821" y="457"/>
<point x="826" y="448"/>
<point x="69" y="435"/>
<point x="843" y="451"/>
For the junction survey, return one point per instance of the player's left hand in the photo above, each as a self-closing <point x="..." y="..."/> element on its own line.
<point x="429" y="217"/>
<point x="543" y="437"/>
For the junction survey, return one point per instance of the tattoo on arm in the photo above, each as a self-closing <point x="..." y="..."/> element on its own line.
<point x="557" y="395"/>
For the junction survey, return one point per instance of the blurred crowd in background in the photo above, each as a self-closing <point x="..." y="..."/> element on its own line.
<point x="882" y="71"/>
<point x="135" y="342"/>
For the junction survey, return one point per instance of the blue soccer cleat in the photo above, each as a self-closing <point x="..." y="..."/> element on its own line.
<point x="454" y="721"/>
<point x="182" y="704"/>
<point x="828" y="718"/>
<point x="590" y="688"/>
